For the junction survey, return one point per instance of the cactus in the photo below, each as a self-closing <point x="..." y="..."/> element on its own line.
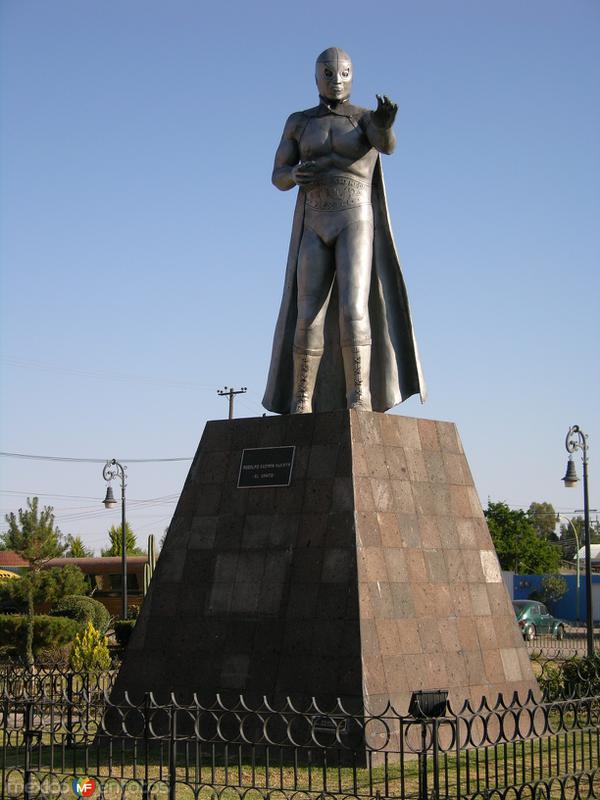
<point x="150" y="563"/>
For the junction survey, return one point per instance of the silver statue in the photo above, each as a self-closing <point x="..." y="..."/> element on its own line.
<point x="344" y="336"/>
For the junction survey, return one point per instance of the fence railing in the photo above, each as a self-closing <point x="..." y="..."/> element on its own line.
<point x="514" y="748"/>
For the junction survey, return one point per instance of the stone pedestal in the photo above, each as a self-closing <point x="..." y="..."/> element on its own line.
<point x="370" y="576"/>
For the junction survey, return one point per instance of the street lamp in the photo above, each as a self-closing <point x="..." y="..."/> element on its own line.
<point x="578" y="440"/>
<point x="578" y="565"/>
<point x="112" y="469"/>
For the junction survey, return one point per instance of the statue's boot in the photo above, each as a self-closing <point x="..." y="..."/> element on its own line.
<point x="306" y="367"/>
<point x="357" y="369"/>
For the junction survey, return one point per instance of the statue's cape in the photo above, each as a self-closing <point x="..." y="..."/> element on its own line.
<point x="395" y="366"/>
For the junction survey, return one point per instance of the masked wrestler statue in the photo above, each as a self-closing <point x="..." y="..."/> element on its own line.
<point x="344" y="336"/>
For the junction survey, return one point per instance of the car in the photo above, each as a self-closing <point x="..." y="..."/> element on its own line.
<point x="534" y="619"/>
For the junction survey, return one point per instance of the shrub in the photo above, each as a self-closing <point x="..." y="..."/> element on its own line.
<point x="123" y="630"/>
<point x="84" y="610"/>
<point x="553" y="588"/>
<point x="581" y="676"/>
<point x="90" y="651"/>
<point x="48" y="632"/>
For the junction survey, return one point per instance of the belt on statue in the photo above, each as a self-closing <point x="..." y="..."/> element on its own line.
<point x="337" y="193"/>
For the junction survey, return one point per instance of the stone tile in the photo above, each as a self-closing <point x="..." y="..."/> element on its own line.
<point x="396" y="463"/>
<point x="409" y="432"/>
<point x="312" y="530"/>
<point x="360" y="467"/>
<point x="424" y="603"/>
<point x="376" y="462"/>
<point x="482" y="534"/>
<point x="371" y="565"/>
<point x="436" y="566"/>
<point x="472" y="565"/>
<point x="486" y="633"/>
<point x="289" y="500"/>
<point x="402" y="599"/>
<point x="383" y="495"/>
<point x="409" y="530"/>
<point x="318" y="495"/>
<point x="448" y="437"/>
<point x="307" y="565"/>
<point x="226" y="566"/>
<point x="493" y="666"/>
<point x="302" y="601"/>
<point x="460" y="501"/>
<point x="434" y="465"/>
<point x="475" y="667"/>
<point x="203" y="533"/>
<point x="257" y="530"/>
<point x="284" y="530"/>
<point x="417" y="570"/>
<point x="462" y="600"/>
<point x="216" y="436"/>
<point x="382" y="601"/>
<point x="511" y="664"/>
<point x="343" y="495"/>
<point x="404" y="501"/>
<point x="374" y="675"/>
<point x="339" y="565"/>
<point x="367" y="529"/>
<point x="498" y="599"/>
<point x="490" y="566"/>
<point x="390" y="431"/>
<point x="341" y="529"/>
<point x="479" y="600"/>
<point x="424" y="499"/>
<point x="388" y="640"/>
<point x="447" y="532"/>
<point x="331" y="427"/>
<point x="429" y="635"/>
<point x="270" y="601"/>
<point x="454" y="467"/>
<point x="208" y="501"/>
<point x="395" y="561"/>
<point x="448" y="630"/>
<point x="219" y="599"/>
<point x="363" y="495"/>
<point x="408" y="636"/>
<point x="454" y="566"/>
<point x="441" y="499"/>
<point x="428" y="434"/>
<point x="415" y="464"/>
<point x="467" y="633"/>
<point x="456" y="669"/>
<point x="261" y="501"/>
<point x="276" y="567"/>
<point x="442" y="599"/>
<point x="365" y="609"/>
<point x="466" y="533"/>
<point x="244" y="598"/>
<point x="476" y="508"/>
<point x="428" y="527"/>
<point x="395" y="676"/>
<point x="370" y="430"/>
<point x="322" y="462"/>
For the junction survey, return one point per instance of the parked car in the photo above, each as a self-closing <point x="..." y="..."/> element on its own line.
<point x="534" y="620"/>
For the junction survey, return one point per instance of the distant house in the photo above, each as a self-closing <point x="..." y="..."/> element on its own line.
<point x="595" y="553"/>
<point x="11" y="563"/>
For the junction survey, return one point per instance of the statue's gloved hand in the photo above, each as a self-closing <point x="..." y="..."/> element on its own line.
<point x="306" y="172"/>
<point x="385" y="113"/>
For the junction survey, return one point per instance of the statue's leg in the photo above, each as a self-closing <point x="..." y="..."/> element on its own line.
<point x="354" y="254"/>
<point x="315" y="278"/>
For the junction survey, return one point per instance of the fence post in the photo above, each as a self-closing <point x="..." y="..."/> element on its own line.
<point x="423" y="794"/>
<point x="435" y="753"/>
<point x="173" y="755"/>
<point x="69" y="741"/>
<point x="28" y="734"/>
<point x="146" y="789"/>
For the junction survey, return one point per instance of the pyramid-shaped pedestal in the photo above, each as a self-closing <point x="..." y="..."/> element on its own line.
<point x="371" y="575"/>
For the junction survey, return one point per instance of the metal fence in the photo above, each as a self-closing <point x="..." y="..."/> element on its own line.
<point x="528" y="748"/>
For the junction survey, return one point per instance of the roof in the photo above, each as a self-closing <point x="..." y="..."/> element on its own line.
<point x="6" y="574"/>
<point x="8" y="558"/>
<point x="594" y="550"/>
<point x="97" y="564"/>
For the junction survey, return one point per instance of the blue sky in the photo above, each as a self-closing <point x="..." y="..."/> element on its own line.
<point x="142" y="245"/>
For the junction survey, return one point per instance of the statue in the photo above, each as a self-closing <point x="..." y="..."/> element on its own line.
<point x="344" y="336"/>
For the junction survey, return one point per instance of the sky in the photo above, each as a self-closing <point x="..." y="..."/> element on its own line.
<point x="143" y="246"/>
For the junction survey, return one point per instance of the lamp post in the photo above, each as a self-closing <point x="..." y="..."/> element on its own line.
<point x="578" y="440"/>
<point x="112" y="469"/>
<point x="578" y="565"/>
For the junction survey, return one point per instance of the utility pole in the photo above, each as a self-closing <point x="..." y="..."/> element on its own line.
<point x="229" y="392"/>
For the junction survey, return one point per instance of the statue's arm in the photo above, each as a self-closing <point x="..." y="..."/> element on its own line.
<point x="287" y="156"/>
<point x="379" y="126"/>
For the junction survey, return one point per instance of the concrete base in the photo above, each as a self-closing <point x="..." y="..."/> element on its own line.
<point x="372" y="575"/>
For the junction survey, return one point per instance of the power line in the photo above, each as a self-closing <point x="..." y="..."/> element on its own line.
<point x="92" y="460"/>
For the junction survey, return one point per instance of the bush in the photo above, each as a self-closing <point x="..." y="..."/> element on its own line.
<point x="84" y="610"/>
<point x="48" y="632"/>
<point x="90" y="651"/>
<point x="123" y="630"/>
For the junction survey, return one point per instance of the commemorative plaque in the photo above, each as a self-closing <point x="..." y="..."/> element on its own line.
<point x="266" y="466"/>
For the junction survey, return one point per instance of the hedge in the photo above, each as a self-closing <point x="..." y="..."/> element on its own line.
<point x="47" y="631"/>
<point x="83" y="609"/>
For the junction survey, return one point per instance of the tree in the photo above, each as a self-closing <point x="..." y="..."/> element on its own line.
<point x="114" y="534"/>
<point x="543" y="519"/>
<point x="34" y="537"/>
<point x="77" y="549"/>
<point x="48" y="585"/>
<point x="517" y="544"/>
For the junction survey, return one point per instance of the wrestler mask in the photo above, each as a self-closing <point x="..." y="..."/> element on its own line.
<point x="333" y="73"/>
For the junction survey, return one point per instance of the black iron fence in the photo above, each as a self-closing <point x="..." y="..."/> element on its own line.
<point x="61" y="727"/>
